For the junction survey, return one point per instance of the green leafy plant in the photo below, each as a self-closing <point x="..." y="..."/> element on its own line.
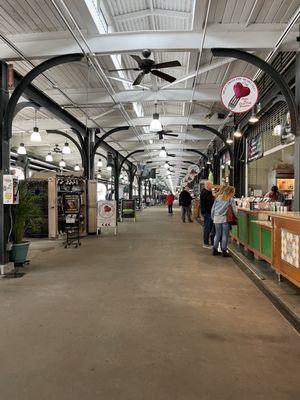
<point x="27" y="214"/>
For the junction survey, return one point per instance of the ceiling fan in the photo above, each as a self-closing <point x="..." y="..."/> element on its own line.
<point x="146" y="65"/>
<point x="163" y="133"/>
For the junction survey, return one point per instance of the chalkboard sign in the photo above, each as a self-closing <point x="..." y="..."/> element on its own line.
<point x="255" y="148"/>
<point x="128" y="209"/>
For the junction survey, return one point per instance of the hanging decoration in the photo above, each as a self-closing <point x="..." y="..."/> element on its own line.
<point x="239" y="94"/>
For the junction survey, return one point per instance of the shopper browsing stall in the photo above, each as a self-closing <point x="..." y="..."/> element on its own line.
<point x="219" y="213"/>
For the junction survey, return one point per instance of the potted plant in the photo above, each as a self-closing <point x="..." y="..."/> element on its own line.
<point x="25" y="215"/>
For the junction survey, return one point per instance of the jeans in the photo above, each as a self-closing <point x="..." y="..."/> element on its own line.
<point x="222" y="234"/>
<point x="186" y="211"/>
<point x="170" y="208"/>
<point x="207" y="229"/>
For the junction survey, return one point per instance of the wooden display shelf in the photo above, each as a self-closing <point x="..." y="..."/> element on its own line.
<point x="277" y="241"/>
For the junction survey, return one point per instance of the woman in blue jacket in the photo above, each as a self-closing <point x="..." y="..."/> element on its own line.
<point x="219" y="217"/>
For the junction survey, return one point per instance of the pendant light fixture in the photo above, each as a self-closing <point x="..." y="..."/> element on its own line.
<point x="208" y="162"/>
<point x="155" y="125"/>
<point x="238" y="132"/>
<point x="253" y="118"/>
<point x="110" y="161"/>
<point x="35" y="136"/>
<point x="49" y="157"/>
<point x="99" y="176"/>
<point x="166" y="165"/>
<point x="62" y="163"/>
<point x="66" y="149"/>
<point x="229" y="139"/>
<point x="163" y="152"/>
<point x="100" y="163"/>
<point x="76" y="168"/>
<point x="22" y="149"/>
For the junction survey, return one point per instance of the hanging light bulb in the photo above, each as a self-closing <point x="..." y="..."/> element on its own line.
<point x="109" y="168"/>
<point x="100" y="163"/>
<point x="66" y="149"/>
<point x="163" y="152"/>
<point x="76" y="168"/>
<point x="277" y="130"/>
<point x="229" y="139"/>
<point x="151" y="141"/>
<point x="155" y="125"/>
<point x="22" y="149"/>
<point x="49" y="157"/>
<point x="99" y="176"/>
<point x="62" y="163"/>
<point x="254" y="118"/>
<point x="238" y="133"/>
<point x="166" y="165"/>
<point x="222" y="166"/>
<point x="208" y="162"/>
<point x="35" y="135"/>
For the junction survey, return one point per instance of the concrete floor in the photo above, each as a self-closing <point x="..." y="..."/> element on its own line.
<point x="145" y="315"/>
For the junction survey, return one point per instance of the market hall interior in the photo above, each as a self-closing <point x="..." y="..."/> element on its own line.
<point x="158" y="318"/>
<point x="149" y="199"/>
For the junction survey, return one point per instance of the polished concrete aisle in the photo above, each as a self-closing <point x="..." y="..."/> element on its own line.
<point x="147" y="315"/>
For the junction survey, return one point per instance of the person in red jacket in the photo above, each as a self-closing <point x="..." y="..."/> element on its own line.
<point x="169" y="201"/>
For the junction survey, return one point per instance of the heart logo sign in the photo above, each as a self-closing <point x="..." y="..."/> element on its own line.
<point x="239" y="94"/>
<point x="240" y="90"/>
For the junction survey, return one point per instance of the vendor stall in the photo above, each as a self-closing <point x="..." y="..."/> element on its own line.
<point x="273" y="237"/>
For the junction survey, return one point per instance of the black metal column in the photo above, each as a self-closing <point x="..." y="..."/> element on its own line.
<point x="116" y="176"/>
<point x="296" y="205"/>
<point x="4" y="166"/>
<point x="140" y="191"/>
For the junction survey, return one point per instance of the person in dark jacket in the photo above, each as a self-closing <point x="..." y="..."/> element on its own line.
<point x="206" y="203"/>
<point x="185" y="201"/>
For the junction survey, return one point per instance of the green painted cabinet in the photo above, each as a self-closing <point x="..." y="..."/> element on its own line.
<point x="266" y="242"/>
<point x="254" y="239"/>
<point x="242" y="229"/>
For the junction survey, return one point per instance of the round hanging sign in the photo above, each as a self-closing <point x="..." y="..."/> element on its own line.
<point x="239" y="94"/>
<point x="193" y="170"/>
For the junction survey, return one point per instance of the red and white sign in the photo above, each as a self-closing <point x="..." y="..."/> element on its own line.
<point x="107" y="214"/>
<point x="239" y="94"/>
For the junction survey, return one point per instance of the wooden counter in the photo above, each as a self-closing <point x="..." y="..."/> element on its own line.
<point x="273" y="237"/>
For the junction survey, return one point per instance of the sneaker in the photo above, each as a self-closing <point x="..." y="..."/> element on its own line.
<point x="207" y="246"/>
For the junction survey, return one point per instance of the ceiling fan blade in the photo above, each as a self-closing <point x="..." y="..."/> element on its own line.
<point x="171" y="155"/>
<point x="167" y="131"/>
<point x="139" y="79"/>
<point x="124" y="69"/>
<point x="167" y="64"/>
<point x="137" y="59"/>
<point x="164" y="76"/>
<point x="171" y="134"/>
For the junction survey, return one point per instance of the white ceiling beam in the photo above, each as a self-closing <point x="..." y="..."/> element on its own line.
<point x="147" y="13"/>
<point x="99" y="97"/>
<point x="41" y="45"/>
<point x="203" y="69"/>
<point x="22" y="125"/>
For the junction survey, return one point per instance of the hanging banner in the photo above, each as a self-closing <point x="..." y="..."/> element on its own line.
<point x="255" y="148"/>
<point x="239" y="94"/>
<point x="106" y="214"/>
<point x="193" y="170"/>
<point x="286" y="132"/>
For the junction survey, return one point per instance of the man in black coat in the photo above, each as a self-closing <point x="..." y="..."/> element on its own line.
<point x="185" y="201"/>
<point x="206" y="203"/>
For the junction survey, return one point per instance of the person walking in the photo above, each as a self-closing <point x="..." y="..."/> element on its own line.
<point x="206" y="202"/>
<point x="169" y="201"/>
<point x="185" y="201"/>
<point x="219" y="214"/>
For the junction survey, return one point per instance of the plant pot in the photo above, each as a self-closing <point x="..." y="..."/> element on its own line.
<point x="19" y="251"/>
